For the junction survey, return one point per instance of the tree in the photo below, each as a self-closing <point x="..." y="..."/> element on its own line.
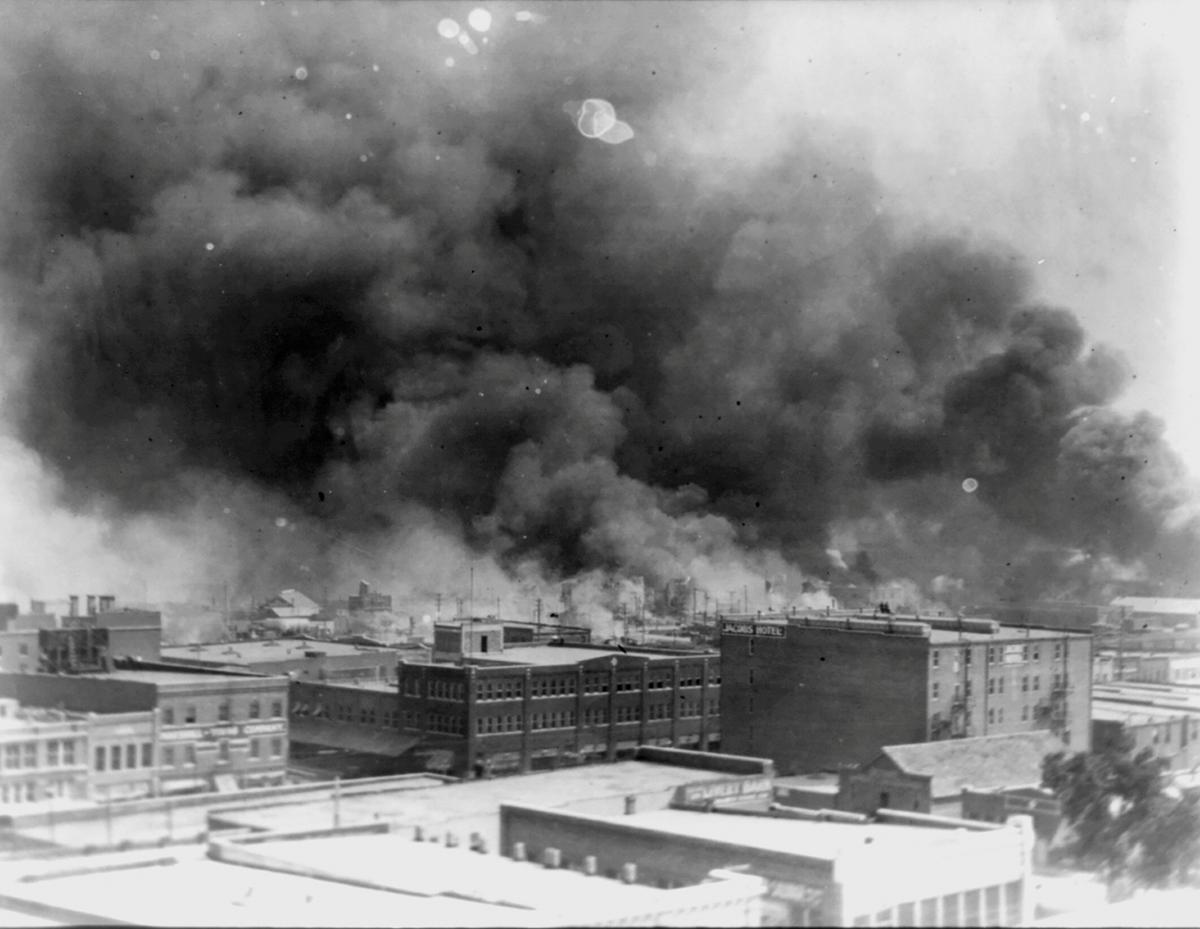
<point x="1126" y="819"/>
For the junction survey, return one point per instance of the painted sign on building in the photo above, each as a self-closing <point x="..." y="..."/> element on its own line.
<point x="230" y="731"/>
<point x="766" y="630"/>
<point x="723" y="791"/>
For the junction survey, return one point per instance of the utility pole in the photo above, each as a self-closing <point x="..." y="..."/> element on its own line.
<point x="438" y="600"/>
<point x="538" y="614"/>
<point x="471" y="592"/>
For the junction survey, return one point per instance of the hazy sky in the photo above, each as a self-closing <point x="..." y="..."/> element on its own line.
<point x="1060" y="127"/>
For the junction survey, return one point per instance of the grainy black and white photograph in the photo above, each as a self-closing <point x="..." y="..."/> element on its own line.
<point x="599" y="463"/>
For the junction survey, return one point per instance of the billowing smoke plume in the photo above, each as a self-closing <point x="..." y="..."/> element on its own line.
<point x="301" y="292"/>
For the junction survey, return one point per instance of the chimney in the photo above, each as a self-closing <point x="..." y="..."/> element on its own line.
<point x="107" y="602"/>
<point x="364" y="589"/>
<point x="91" y="604"/>
<point x="74" y="608"/>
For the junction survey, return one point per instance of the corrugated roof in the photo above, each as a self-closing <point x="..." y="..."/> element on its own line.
<point x="985" y="763"/>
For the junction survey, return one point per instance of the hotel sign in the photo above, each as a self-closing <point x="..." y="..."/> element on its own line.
<point x="765" y="630"/>
<point x="744" y="788"/>
<point x="231" y="731"/>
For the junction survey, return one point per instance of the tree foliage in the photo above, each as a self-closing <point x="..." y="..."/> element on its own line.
<point x="1126" y="818"/>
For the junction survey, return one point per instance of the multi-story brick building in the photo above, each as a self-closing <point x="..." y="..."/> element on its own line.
<point x="818" y="692"/>
<point x="482" y="707"/>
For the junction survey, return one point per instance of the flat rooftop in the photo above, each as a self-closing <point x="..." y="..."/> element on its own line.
<point x="427" y="869"/>
<point x="547" y="655"/>
<point x="809" y="839"/>
<point x="195" y="891"/>
<point x="268" y="650"/>
<point x="154" y="676"/>
<point x="474" y="806"/>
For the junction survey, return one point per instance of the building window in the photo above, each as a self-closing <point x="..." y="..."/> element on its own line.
<point x="115" y="761"/>
<point x="1024" y="713"/>
<point x="1037" y="653"/>
<point x="68" y="753"/>
<point x="31" y="754"/>
<point x="24" y="649"/>
<point x="223" y="751"/>
<point x="168" y="716"/>
<point x="168" y="756"/>
<point x="255" y="749"/>
<point x="277" y="708"/>
<point x="131" y="753"/>
<point x="1037" y="682"/>
<point x="147" y="755"/>
<point x="966" y="656"/>
<point x="1000" y="714"/>
<point x="991" y="716"/>
<point x="189" y="754"/>
<point x="254" y="709"/>
<point x="937" y="658"/>
<point x="276" y="748"/>
<point x="1025" y="684"/>
<point x="189" y="715"/>
<point x="223" y="711"/>
<point x="936" y="689"/>
<point x="52" y="753"/>
<point x="101" y="756"/>
<point x="750" y="646"/>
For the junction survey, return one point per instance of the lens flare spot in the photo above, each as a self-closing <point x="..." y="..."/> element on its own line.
<point x="449" y="62"/>
<point x="281" y="522"/>
<point x="209" y="246"/>
<point x="155" y="54"/>
<point x="970" y="485"/>
<point x="301" y="73"/>
<point x="595" y="117"/>
<point x="617" y="133"/>
<point x="375" y="68"/>
<point x="349" y="116"/>
<point x="1085" y="117"/>
<point x="468" y="43"/>
<point x="448" y="28"/>
<point x="480" y="19"/>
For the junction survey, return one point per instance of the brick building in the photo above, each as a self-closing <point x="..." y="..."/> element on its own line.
<point x="818" y="692"/>
<point x="482" y="706"/>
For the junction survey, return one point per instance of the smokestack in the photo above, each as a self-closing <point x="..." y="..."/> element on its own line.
<point x="73" y="609"/>
<point x="91" y="604"/>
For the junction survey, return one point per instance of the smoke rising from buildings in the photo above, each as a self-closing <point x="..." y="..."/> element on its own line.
<point x="299" y="293"/>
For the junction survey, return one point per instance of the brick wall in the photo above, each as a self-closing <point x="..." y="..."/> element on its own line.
<point x="819" y="698"/>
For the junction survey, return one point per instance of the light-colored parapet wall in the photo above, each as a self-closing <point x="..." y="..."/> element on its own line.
<point x="726" y="899"/>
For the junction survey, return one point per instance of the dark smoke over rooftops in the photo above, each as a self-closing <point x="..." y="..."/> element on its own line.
<point x="383" y="293"/>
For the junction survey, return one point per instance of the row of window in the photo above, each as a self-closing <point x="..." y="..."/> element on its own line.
<point x="995" y="685"/>
<point x="116" y="757"/>
<point x="998" y="654"/>
<point x="58" y="753"/>
<point x="185" y="755"/>
<point x="188" y="714"/>
<point x="446" y="723"/>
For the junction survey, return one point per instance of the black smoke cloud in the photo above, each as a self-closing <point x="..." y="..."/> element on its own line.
<point x="383" y="291"/>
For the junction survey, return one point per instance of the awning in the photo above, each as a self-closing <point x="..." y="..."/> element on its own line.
<point x="350" y="737"/>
